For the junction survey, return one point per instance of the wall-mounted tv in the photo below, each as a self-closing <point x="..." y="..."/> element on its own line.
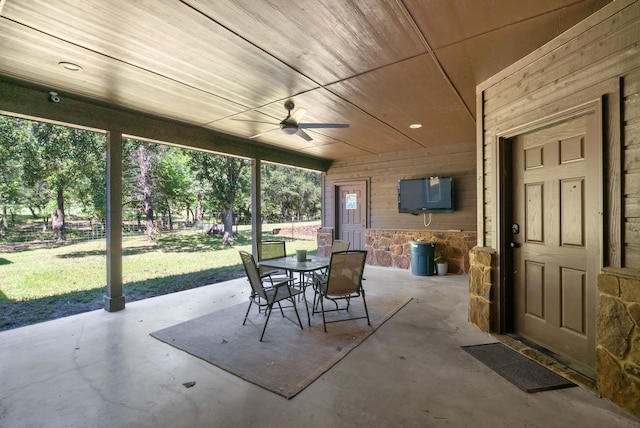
<point x="418" y="195"/>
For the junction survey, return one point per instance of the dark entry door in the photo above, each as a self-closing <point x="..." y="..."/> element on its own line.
<point x="556" y="180"/>
<point x="352" y="214"/>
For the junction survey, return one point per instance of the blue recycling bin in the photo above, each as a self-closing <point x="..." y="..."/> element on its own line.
<point x="422" y="257"/>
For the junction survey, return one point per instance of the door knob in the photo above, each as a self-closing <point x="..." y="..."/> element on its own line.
<point x="514" y="244"/>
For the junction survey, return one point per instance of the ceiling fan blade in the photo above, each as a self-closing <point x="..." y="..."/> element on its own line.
<point x="304" y="135"/>
<point x="296" y="116"/>
<point x="323" y="125"/>
<point x="262" y="133"/>
<point x="256" y="121"/>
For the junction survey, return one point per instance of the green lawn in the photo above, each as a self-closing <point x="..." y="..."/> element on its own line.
<point x="39" y="283"/>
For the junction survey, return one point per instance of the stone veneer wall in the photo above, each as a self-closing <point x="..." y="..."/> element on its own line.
<point x="324" y="239"/>
<point x="618" y="338"/>
<point x="481" y="296"/>
<point x="617" y="325"/>
<point x="390" y="248"/>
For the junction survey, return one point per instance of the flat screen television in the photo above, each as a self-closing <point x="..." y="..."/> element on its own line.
<point x="418" y="195"/>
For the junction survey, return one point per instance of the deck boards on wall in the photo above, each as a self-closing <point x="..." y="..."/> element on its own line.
<point x="577" y="67"/>
<point x="382" y="173"/>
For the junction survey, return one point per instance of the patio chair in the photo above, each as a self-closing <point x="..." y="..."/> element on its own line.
<point x="342" y="283"/>
<point x="336" y="247"/>
<point x="272" y="250"/>
<point x="270" y="295"/>
<point x="339" y="246"/>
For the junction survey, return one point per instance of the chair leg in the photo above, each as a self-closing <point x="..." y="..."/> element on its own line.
<point x="248" y="309"/>
<point x="324" y="323"/>
<point x="306" y="305"/>
<point x="281" y="311"/>
<point x="269" y="309"/>
<point x="293" y="301"/>
<point x="365" y="308"/>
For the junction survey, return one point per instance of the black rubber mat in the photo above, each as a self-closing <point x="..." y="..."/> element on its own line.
<point x="521" y="371"/>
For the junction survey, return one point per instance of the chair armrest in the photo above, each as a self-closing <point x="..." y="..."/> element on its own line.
<point x="282" y="283"/>
<point x="320" y="277"/>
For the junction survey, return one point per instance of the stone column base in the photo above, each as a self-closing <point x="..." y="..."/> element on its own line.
<point x="481" y="295"/>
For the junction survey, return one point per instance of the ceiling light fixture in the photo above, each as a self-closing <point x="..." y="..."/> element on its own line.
<point x="70" y="66"/>
<point x="415" y="125"/>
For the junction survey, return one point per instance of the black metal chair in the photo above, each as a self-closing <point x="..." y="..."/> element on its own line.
<point x="272" y="250"/>
<point x="339" y="246"/>
<point x="268" y="296"/>
<point x="342" y="282"/>
<point x="336" y="247"/>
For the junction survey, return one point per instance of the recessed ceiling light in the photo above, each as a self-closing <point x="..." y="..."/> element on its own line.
<point x="415" y="125"/>
<point x="70" y="66"/>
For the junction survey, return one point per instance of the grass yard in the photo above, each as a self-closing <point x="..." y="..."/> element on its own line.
<point x="40" y="283"/>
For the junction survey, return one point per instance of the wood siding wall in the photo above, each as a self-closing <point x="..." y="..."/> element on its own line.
<point x="382" y="172"/>
<point x="600" y="57"/>
<point x="631" y="164"/>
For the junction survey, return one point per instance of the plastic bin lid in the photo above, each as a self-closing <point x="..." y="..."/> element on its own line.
<point x="421" y="243"/>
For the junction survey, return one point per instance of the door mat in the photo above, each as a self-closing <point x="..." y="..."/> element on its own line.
<point x="521" y="371"/>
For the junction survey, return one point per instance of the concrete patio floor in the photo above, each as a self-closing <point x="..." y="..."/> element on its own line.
<point x="102" y="369"/>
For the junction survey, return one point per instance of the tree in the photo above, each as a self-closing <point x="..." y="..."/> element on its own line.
<point x="140" y="179"/>
<point x="56" y="159"/>
<point x="13" y="134"/>
<point x="289" y="192"/>
<point x="175" y="180"/>
<point x="225" y="180"/>
<point x="90" y="190"/>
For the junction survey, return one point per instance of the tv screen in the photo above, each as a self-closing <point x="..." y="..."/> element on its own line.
<point x="431" y="194"/>
<point x="411" y="195"/>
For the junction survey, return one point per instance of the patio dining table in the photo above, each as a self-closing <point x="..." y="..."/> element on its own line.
<point x="291" y="264"/>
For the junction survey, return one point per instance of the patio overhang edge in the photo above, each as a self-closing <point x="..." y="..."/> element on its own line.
<point x="32" y="101"/>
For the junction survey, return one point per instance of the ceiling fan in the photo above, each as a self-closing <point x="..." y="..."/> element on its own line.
<point x="292" y="125"/>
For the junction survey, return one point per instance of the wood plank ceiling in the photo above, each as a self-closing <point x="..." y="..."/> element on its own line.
<point x="378" y="65"/>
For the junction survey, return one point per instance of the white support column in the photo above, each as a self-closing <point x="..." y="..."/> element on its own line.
<point x="114" y="299"/>
<point x="256" y="206"/>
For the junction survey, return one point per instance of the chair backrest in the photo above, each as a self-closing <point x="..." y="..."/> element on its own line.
<point x="271" y="250"/>
<point x="345" y="273"/>
<point x="253" y="275"/>
<point x="339" y="246"/>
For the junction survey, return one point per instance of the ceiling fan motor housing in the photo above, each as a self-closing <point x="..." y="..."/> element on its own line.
<point x="289" y="128"/>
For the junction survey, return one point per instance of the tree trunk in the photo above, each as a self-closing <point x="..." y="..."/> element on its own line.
<point x="169" y="216"/>
<point x="145" y="161"/>
<point x="198" y="208"/>
<point x="62" y="234"/>
<point x="227" y="221"/>
<point x="148" y="211"/>
<point x="5" y="224"/>
<point x="188" y="212"/>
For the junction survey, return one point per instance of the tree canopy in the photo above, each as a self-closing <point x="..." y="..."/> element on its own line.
<point x="45" y="168"/>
